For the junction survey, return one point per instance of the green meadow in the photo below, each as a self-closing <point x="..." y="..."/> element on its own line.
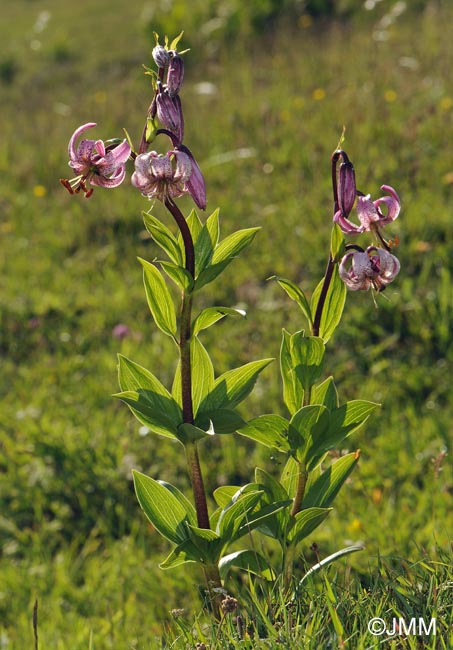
<point x="269" y="88"/>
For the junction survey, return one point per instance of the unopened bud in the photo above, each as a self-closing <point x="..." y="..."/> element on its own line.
<point x="169" y="113"/>
<point x="346" y="188"/>
<point x="160" y="56"/>
<point x="175" y="74"/>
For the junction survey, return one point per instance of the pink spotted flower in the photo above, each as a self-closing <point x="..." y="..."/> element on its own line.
<point x="94" y="162"/>
<point x="374" y="267"/>
<point x="160" y="176"/>
<point x="372" y="214"/>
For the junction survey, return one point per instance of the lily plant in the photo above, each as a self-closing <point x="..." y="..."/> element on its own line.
<point x="199" y="404"/>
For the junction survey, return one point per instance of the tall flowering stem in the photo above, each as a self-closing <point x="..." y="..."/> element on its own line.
<point x="331" y="262"/>
<point x="193" y="460"/>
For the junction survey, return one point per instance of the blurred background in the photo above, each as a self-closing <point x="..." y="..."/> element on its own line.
<point x="269" y="86"/>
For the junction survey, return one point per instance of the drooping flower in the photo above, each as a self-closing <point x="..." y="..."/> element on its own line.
<point x="370" y="214"/>
<point x="374" y="267"/>
<point x="95" y="162"/>
<point x="160" y="176"/>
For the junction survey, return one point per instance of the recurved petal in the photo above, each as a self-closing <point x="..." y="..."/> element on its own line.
<point x="71" y="147"/>
<point x="392" y="203"/>
<point x="347" y="226"/>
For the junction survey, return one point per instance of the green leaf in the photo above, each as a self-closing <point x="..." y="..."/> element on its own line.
<point x="202" y="375"/>
<point x="337" y="243"/>
<point x="162" y="508"/>
<point x="224" y="495"/>
<point x="307" y="354"/>
<point x="295" y="293"/>
<point x="164" y="238"/>
<point x="195" y="225"/>
<point x="183" y="554"/>
<point x="232" y="245"/>
<point x="270" y="430"/>
<point x="206" y="242"/>
<point x="289" y="477"/>
<point x="231" y="388"/>
<point x="275" y="493"/>
<point x="148" y="399"/>
<point x="184" y="501"/>
<point x="249" y="561"/>
<point x="322" y="491"/>
<point x="333" y="306"/>
<point x="325" y="393"/>
<point x="305" y="523"/>
<point x="310" y="423"/>
<point x="180" y="276"/>
<point x="159" y="299"/>
<point x="293" y="392"/>
<point x="210" y="273"/>
<point x="211" y="315"/>
<point x="234" y="514"/>
<point x="343" y="421"/>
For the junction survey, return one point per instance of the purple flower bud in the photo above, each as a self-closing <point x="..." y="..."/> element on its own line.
<point x="160" y="56"/>
<point x="175" y="73"/>
<point x="169" y="113"/>
<point x="346" y="188"/>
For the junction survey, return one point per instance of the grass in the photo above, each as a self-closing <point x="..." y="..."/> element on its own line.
<point x="72" y="533"/>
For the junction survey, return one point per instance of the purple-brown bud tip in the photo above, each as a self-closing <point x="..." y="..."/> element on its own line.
<point x="175" y="74"/>
<point x="346" y="188"/>
<point x="161" y="56"/>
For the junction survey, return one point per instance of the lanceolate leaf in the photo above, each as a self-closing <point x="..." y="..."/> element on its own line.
<point x="159" y="299"/>
<point x="180" y="276"/>
<point x="211" y="315"/>
<point x="246" y="560"/>
<point x="289" y="477"/>
<point x="307" y="354"/>
<point x="306" y="522"/>
<point x="325" y="393"/>
<point x="293" y="392"/>
<point x="164" y="238"/>
<point x="322" y="491"/>
<point x="270" y="430"/>
<point x="343" y="421"/>
<point x="295" y="293"/>
<point x="220" y="421"/>
<point x="162" y="508"/>
<point x="149" y="400"/>
<point x="337" y="243"/>
<point x="233" y="386"/>
<point x="206" y="242"/>
<point x="224" y="254"/>
<point x="232" y="245"/>
<point x="333" y="307"/>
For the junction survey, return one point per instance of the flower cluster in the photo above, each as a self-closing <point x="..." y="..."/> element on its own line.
<point x="157" y="176"/>
<point x="177" y="172"/>
<point x="374" y="267"/>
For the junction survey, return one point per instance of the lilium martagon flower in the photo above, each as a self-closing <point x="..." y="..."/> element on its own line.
<point x="370" y="214"/>
<point x="99" y="163"/>
<point x="374" y="267"/>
